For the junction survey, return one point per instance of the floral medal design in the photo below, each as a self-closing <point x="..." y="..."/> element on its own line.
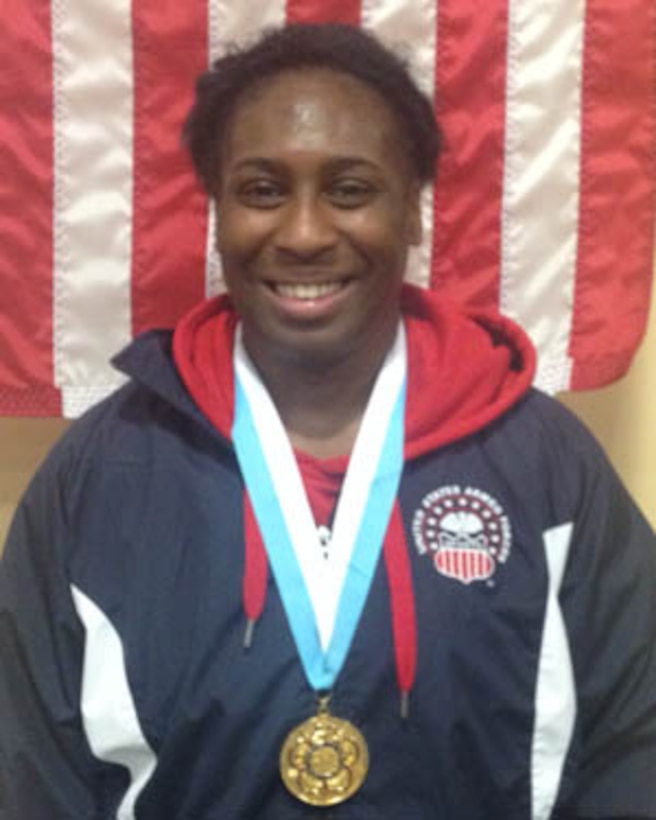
<point x="324" y="760"/>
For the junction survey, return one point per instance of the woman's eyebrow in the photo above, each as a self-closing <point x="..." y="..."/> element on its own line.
<point x="333" y="164"/>
<point x="349" y="163"/>
<point x="258" y="164"/>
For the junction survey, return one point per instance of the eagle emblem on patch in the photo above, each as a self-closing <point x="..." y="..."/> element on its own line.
<point x="464" y="530"/>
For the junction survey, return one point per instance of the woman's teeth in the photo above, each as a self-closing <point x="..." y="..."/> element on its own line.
<point x="308" y="290"/>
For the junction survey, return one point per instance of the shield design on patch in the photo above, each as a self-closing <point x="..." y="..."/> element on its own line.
<point x="465" y="565"/>
<point x="463" y="547"/>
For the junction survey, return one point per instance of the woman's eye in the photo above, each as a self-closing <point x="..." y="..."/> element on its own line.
<point x="261" y="193"/>
<point x="351" y="193"/>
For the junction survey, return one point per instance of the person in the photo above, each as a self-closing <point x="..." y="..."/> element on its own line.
<point x="328" y="553"/>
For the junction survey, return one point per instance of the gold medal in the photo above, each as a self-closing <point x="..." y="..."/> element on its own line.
<point x="324" y="760"/>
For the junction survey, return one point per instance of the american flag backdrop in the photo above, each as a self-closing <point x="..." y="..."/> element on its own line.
<point x="544" y="203"/>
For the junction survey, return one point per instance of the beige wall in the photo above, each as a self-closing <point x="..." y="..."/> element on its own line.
<point x="23" y="444"/>
<point x="622" y="416"/>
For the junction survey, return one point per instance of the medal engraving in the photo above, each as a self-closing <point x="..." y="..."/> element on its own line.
<point x="324" y="760"/>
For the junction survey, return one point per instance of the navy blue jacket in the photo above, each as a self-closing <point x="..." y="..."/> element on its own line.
<point x="125" y="690"/>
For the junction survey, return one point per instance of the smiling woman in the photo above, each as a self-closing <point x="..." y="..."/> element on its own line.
<point x="459" y="619"/>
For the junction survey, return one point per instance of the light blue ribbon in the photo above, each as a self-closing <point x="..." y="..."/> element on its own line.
<point x="321" y="668"/>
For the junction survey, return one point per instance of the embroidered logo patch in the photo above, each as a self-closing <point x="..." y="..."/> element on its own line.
<point x="465" y="531"/>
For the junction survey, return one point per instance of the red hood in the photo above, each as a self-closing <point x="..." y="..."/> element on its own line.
<point x="464" y="369"/>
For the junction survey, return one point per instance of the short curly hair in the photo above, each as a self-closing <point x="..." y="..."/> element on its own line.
<point x="335" y="46"/>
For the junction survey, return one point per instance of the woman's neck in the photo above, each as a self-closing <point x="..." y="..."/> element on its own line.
<point x="321" y="404"/>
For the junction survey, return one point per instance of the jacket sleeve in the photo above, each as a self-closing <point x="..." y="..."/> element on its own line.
<point x="46" y="769"/>
<point x="609" y="604"/>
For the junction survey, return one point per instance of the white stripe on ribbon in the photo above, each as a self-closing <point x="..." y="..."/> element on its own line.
<point x="93" y="113"/>
<point x="229" y="23"/>
<point x="541" y="184"/>
<point x="109" y="714"/>
<point x="410" y="28"/>
<point x="555" y="697"/>
<point x="365" y="456"/>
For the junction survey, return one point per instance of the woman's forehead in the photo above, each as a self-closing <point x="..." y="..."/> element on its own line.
<point x="312" y="109"/>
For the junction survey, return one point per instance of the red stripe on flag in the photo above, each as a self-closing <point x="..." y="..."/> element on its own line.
<point x="470" y="89"/>
<point x="324" y="11"/>
<point x="169" y="210"/>
<point x="26" y="201"/>
<point x="618" y="166"/>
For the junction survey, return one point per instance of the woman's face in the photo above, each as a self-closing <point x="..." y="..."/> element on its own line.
<point x="317" y="206"/>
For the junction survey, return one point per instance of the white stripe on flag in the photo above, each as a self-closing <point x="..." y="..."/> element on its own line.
<point x="93" y="101"/>
<point x="231" y="22"/>
<point x="228" y="23"/>
<point x="541" y="184"/>
<point x="410" y="27"/>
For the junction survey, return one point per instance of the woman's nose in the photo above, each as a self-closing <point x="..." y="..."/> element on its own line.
<point x="306" y="229"/>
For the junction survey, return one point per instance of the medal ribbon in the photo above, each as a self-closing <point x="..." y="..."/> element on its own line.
<point x="323" y="600"/>
<point x="397" y="566"/>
